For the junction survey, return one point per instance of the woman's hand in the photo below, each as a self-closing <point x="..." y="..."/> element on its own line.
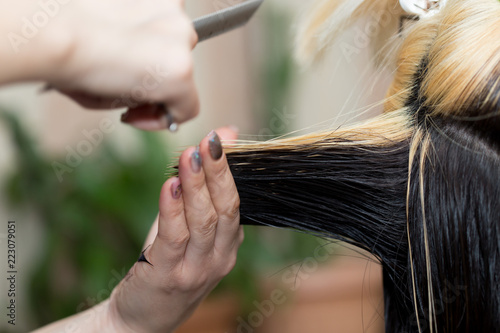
<point x="105" y="54"/>
<point x="198" y="235"/>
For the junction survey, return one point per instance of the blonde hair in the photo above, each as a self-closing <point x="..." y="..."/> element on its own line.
<point x="327" y="19"/>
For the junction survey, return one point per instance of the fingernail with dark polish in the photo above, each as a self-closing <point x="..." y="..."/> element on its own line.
<point x="215" y="146"/>
<point x="196" y="160"/>
<point x="176" y="189"/>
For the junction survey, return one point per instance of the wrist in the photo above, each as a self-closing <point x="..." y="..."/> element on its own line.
<point x="102" y="318"/>
<point x="136" y="308"/>
<point x="114" y="319"/>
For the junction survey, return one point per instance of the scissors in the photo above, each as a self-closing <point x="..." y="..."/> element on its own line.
<point x="225" y="20"/>
<point x="209" y="26"/>
<point x="216" y="24"/>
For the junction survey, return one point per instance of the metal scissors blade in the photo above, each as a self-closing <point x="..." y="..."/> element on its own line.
<point x="225" y="20"/>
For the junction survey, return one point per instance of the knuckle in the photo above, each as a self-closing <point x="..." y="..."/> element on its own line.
<point x="198" y="186"/>
<point x="232" y="210"/>
<point x="209" y="225"/>
<point x="192" y="281"/>
<point x="202" y="280"/>
<point x="168" y="286"/>
<point x="173" y="281"/>
<point x="183" y="284"/>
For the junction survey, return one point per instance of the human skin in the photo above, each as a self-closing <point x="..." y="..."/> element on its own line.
<point x="95" y="52"/>
<point x="192" y="245"/>
<point x="105" y="54"/>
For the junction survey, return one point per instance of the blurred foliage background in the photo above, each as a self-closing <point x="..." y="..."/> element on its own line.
<point x="96" y="219"/>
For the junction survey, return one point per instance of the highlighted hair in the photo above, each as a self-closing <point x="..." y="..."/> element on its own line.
<point x="419" y="186"/>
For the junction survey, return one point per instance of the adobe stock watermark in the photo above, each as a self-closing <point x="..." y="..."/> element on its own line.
<point x="31" y="26"/>
<point x="292" y="277"/>
<point x="84" y="148"/>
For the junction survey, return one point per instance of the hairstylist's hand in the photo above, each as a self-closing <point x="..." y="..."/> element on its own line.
<point x="107" y="54"/>
<point x="197" y="239"/>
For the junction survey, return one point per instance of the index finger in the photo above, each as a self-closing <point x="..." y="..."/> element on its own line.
<point x="222" y="190"/>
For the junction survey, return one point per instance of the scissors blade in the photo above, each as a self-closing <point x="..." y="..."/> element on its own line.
<point x="225" y="20"/>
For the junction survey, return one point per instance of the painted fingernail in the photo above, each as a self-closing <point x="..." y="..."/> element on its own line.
<point x="214" y="145"/>
<point x="196" y="160"/>
<point x="176" y="189"/>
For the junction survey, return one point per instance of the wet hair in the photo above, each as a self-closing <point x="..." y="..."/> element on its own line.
<point x="418" y="186"/>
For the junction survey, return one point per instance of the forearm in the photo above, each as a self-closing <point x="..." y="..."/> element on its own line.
<point x="96" y="319"/>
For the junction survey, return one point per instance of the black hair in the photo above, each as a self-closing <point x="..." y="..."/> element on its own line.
<point x="427" y="206"/>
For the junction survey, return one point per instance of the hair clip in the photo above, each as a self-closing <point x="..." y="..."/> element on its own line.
<point x="422" y="8"/>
